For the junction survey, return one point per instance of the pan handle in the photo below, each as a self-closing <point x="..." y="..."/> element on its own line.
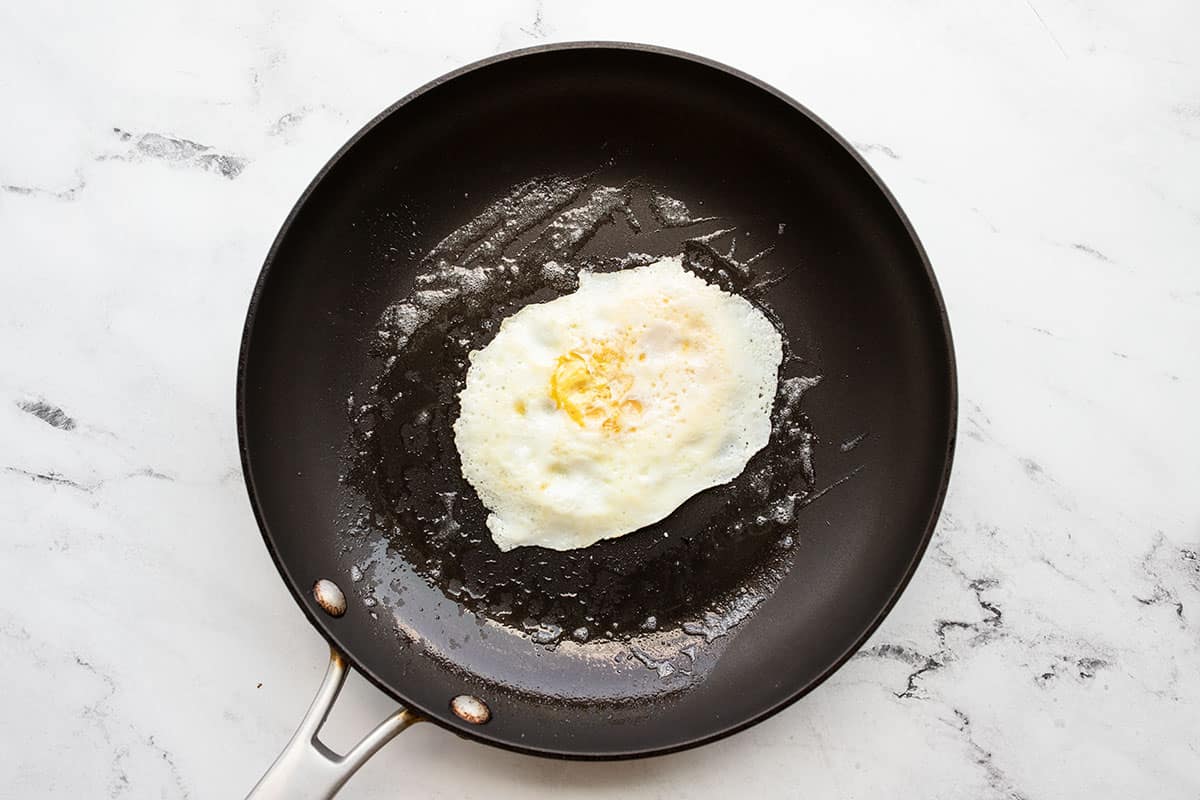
<point x="307" y="768"/>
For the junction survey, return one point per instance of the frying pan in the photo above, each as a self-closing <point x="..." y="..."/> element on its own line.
<point x="859" y="306"/>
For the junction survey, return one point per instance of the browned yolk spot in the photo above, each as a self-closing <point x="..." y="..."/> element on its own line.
<point x="590" y="384"/>
<point x="519" y="406"/>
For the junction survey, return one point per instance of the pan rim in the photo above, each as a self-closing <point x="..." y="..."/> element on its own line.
<point x="480" y="734"/>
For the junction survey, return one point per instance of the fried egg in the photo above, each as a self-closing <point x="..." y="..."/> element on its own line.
<point x="601" y="412"/>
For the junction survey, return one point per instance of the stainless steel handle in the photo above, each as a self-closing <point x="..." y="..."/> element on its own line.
<point x="307" y="769"/>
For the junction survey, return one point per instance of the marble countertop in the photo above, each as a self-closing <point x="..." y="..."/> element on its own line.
<point x="1048" y="153"/>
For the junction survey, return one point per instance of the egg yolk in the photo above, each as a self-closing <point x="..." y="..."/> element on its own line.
<point x="591" y="385"/>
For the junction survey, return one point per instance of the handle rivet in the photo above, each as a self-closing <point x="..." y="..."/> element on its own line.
<point x="471" y="709"/>
<point x="329" y="597"/>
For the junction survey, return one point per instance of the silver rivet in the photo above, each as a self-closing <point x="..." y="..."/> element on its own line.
<point x="329" y="597"/>
<point x="471" y="709"/>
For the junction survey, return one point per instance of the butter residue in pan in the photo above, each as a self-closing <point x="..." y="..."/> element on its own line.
<point x="528" y="246"/>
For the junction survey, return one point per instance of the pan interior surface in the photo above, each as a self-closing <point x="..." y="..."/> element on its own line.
<point x="858" y="305"/>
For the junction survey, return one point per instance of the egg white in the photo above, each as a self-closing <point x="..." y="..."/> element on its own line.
<point x="601" y="412"/>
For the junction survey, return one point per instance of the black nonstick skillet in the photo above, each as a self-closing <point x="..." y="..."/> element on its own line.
<point x="858" y="302"/>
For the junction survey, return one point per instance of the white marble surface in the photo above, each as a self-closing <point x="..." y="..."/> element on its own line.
<point x="1048" y="153"/>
